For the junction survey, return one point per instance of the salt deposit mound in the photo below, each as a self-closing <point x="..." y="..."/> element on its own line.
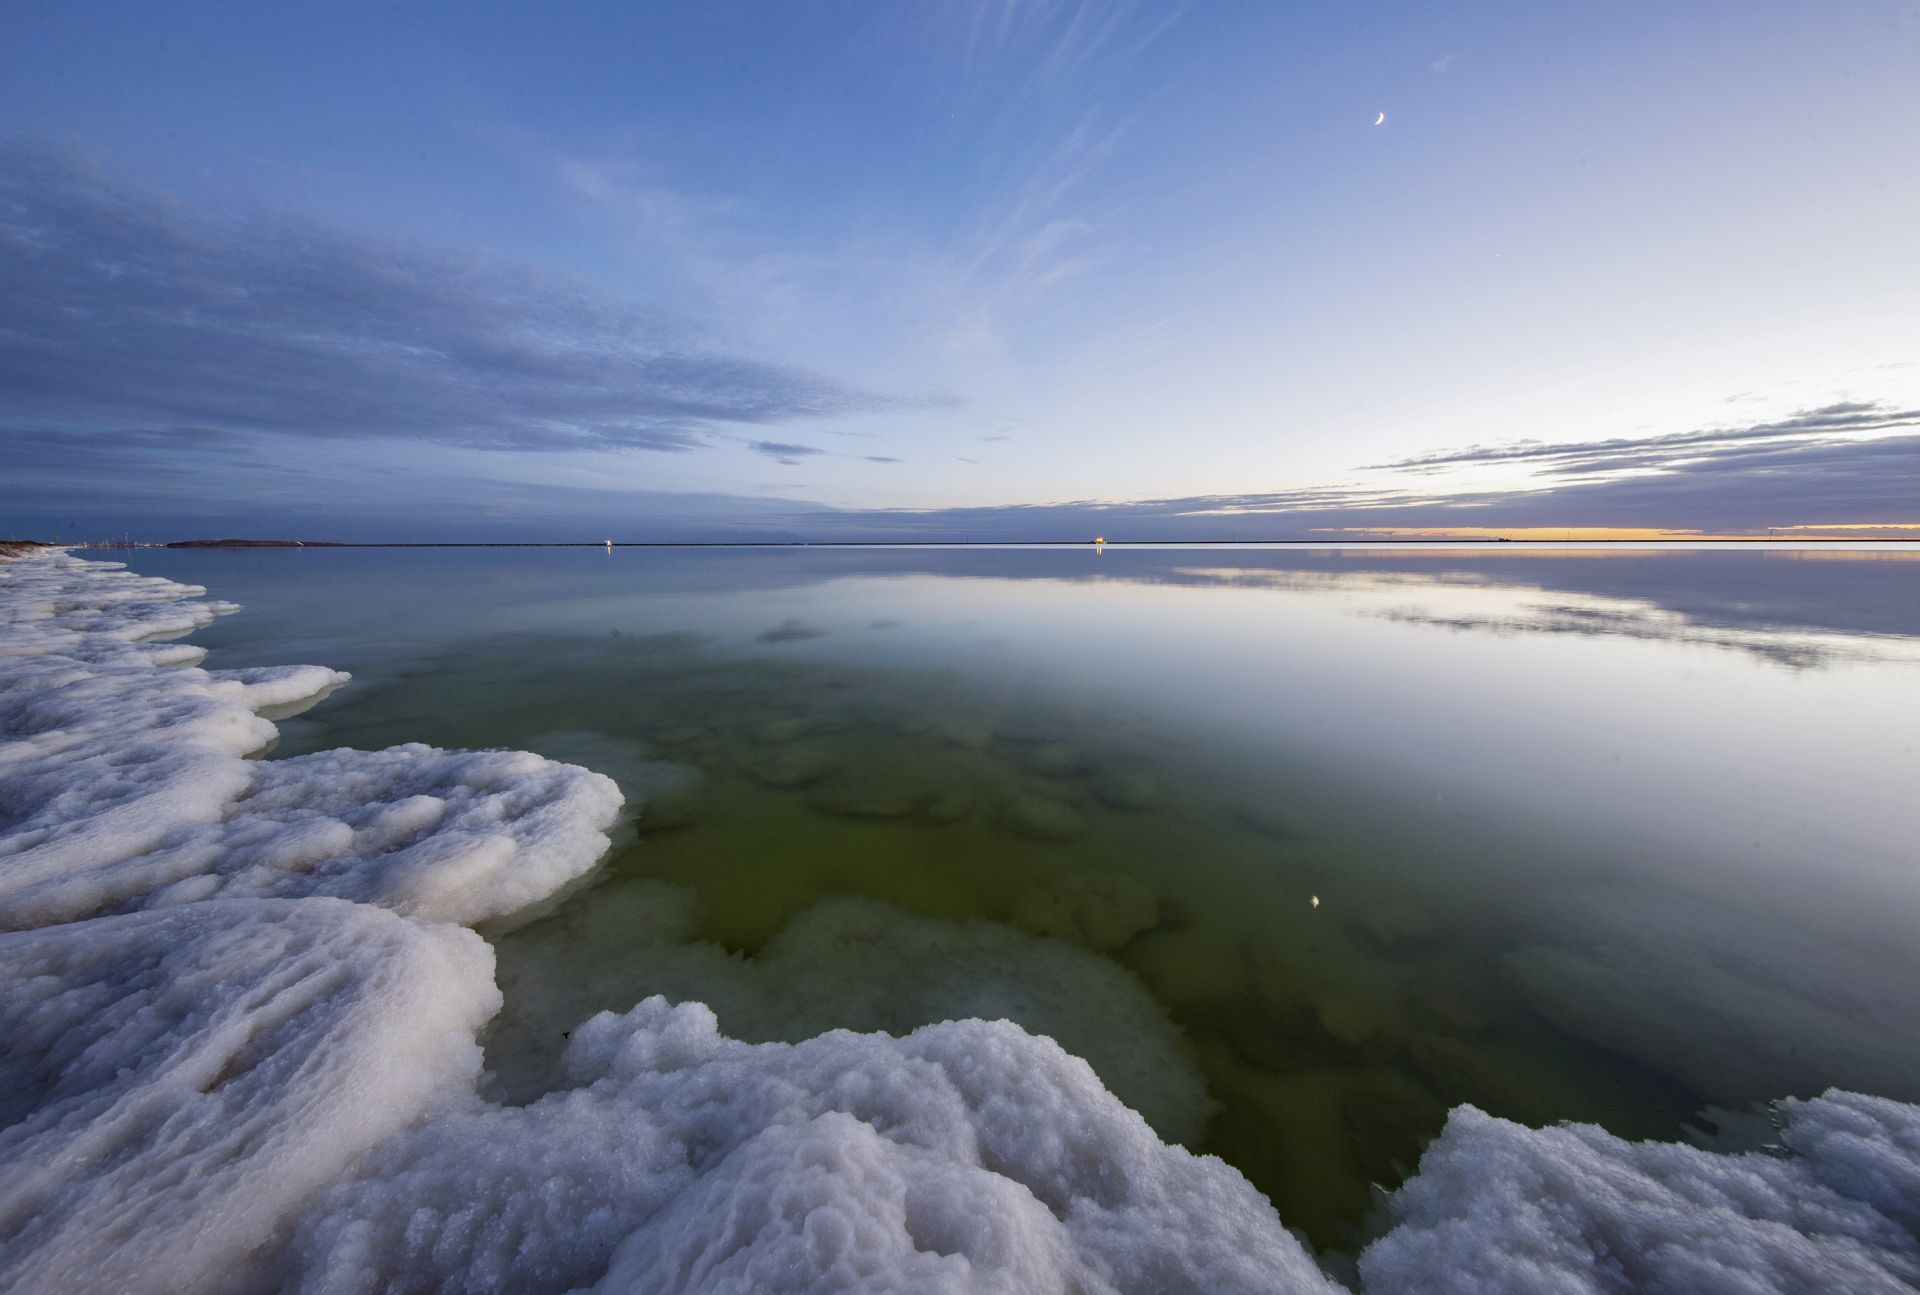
<point x="456" y="836"/>
<point x="174" y="1084"/>
<point x="969" y="1156"/>
<point x="56" y="602"/>
<point x="124" y="785"/>
<point x="1501" y="1208"/>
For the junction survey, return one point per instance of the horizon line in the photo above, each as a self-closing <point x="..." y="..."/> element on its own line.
<point x="1454" y="541"/>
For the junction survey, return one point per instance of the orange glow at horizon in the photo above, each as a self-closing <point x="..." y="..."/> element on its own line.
<point x="1577" y="533"/>
<point x="1857" y="526"/>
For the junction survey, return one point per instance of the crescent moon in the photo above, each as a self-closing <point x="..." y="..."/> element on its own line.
<point x="1377" y="120"/>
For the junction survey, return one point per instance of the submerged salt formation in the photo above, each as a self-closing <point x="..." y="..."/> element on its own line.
<point x="1728" y="1000"/>
<point x="854" y="964"/>
<point x="206" y="1092"/>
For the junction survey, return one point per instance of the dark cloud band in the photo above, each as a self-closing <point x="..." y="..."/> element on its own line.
<point x="121" y="307"/>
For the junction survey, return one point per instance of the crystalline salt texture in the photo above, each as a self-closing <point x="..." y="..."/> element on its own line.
<point x="124" y="783"/>
<point x="104" y="751"/>
<point x="1501" y="1208"/>
<point x="462" y="836"/>
<point x="832" y="1205"/>
<point x="1867" y="1148"/>
<point x="56" y="601"/>
<point x="966" y="1156"/>
<point x="175" y="1083"/>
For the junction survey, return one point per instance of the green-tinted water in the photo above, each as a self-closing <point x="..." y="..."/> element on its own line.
<point x="1297" y="850"/>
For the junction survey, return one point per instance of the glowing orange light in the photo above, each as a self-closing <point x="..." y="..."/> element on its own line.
<point x="1898" y="530"/>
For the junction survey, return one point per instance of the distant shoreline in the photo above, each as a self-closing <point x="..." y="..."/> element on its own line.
<point x="1452" y="541"/>
<point x="980" y="544"/>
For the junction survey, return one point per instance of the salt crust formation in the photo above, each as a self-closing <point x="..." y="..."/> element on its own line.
<point x="206" y="1092"/>
<point x="126" y="785"/>
<point x="968" y="1156"/>
<point x="177" y="1082"/>
<point x="1497" y="1207"/>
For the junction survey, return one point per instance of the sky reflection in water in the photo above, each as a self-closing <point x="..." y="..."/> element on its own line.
<point x="1596" y="834"/>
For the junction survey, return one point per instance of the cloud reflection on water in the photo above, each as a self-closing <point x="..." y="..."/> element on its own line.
<point x="1800" y="607"/>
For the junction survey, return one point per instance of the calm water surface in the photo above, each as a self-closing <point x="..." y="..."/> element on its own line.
<point x="1297" y="847"/>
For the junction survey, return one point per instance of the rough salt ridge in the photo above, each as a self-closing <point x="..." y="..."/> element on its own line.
<point x="176" y="1083"/>
<point x="969" y="1156"/>
<point x="1498" y="1209"/>
<point x="281" y="1093"/>
<point x="125" y="785"/>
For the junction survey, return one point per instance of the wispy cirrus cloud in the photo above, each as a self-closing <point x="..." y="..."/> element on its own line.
<point x="123" y="306"/>
<point x="784" y="451"/>
<point x="1846" y="418"/>
<point x="1836" y="466"/>
<point x="792" y="454"/>
<point x="1047" y="92"/>
<point x="1847" y="486"/>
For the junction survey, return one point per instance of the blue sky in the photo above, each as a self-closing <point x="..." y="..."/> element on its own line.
<point x="1007" y="270"/>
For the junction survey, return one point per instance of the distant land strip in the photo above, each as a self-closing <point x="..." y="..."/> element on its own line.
<point x="1442" y="541"/>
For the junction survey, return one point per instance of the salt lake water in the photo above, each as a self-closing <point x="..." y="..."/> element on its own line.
<point x="1298" y="847"/>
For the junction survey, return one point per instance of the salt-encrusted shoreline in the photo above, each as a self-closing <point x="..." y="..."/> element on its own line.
<point x="128" y="785"/>
<point x="238" y="1014"/>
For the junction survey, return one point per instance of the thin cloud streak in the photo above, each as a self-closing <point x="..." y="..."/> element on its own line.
<point x="784" y="451"/>
<point x="1736" y="486"/>
<point x="1843" y="484"/>
<point x="1851" y="417"/>
<point x="122" y="306"/>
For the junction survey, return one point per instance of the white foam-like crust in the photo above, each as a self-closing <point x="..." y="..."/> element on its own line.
<point x="1498" y="1209"/>
<point x="175" y="1083"/>
<point x="124" y="784"/>
<point x="59" y="603"/>
<point x="459" y="836"/>
<point x="968" y="1156"/>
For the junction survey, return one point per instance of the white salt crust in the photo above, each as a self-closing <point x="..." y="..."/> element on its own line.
<point x="280" y="1093"/>
<point x="124" y="786"/>
<point x="968" y="1156"/>
<point x="174" y="1084"/>
<point x="1499" y="1209"/>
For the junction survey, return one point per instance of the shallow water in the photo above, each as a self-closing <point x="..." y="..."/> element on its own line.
<point x="1297" y="847"/>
